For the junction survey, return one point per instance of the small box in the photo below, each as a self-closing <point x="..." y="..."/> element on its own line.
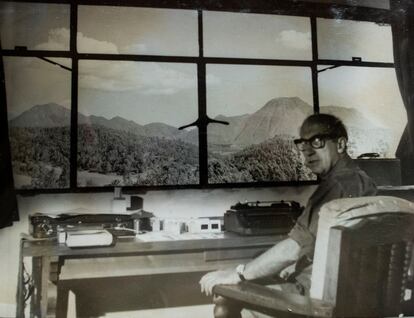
<point x="204" y="225"/>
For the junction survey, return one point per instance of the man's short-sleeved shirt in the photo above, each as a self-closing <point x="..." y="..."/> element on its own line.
<point x="345" y="180"/>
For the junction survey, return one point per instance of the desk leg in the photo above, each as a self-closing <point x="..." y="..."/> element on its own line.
<point x="39" y="301"/>
<point x="62" y="301"/>
<point x="20" y="288"/>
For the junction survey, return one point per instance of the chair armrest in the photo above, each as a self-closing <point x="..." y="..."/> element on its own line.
<point x="259" y="297"/>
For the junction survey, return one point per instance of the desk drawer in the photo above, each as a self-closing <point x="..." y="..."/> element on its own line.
<point x="150" y="265"/>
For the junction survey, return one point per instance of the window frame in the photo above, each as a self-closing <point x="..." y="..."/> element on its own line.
<point x="297" y="8"/>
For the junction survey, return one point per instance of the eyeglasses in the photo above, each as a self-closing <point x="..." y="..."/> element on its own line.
<point x="316" y="142"/>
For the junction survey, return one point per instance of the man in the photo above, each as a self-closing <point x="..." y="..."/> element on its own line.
<point x="323" y="143"/>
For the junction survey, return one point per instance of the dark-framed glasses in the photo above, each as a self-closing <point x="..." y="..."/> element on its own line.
<point x="316" y="142"/>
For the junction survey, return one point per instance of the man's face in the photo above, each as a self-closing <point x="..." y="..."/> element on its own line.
<point x="321" y="160"/>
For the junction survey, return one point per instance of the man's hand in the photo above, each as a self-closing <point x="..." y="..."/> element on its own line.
<point x="209" y="280"/>
<point x="287" y="271"/>
<point x="271" y="262"/>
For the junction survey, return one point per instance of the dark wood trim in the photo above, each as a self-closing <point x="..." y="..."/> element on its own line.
<point x="286" y="7"/>
<point x="354" y="63"/>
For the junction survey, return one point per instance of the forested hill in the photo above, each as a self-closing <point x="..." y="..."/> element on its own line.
<point x="141" y="160"/>
<point x="42" y="155"/>
<point x="273" y="160"/>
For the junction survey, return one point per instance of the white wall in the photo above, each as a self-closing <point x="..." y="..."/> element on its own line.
<point x="171" y="203"/>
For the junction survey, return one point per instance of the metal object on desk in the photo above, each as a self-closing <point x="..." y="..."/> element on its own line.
<point x="262" y="218"/>
<point x="46" y="225"/>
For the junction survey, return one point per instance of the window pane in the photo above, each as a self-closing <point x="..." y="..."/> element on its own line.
<point x="344" y="39"/>
<point x="247" y="35"/>
<point x="265" y="105"/>
<point x="147" y="31"/>
<point x="369" y="102"/>
<point x="38" y="26"/>
<point x="128" y="118"/>
<point x="38" y="110"/>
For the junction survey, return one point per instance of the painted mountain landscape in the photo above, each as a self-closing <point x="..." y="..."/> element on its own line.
<point x="117" y="151"/>
<point x="40" y="142"/>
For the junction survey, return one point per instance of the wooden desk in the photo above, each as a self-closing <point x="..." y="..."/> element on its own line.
<point x="166" y="257"/>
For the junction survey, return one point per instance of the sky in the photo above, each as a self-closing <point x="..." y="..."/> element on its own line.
<point x="255" y="86"/>
<point x="167" y="92"/>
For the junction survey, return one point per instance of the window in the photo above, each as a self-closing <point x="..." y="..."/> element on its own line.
<point x="344" y="39"/>
<point x="366" y="96"/>
<point x="260" y="36"/>
<point x="128" y="119"/>
<point x="187" y="96"/>
<point x="36" y="26"/>
<point x="38" y="109"/>
<point x="369" y="102"/>
<point x="147" y="31"/>
<point x="264" y="106"/>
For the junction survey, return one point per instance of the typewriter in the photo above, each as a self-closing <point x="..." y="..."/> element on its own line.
<point x="262" y="218"/>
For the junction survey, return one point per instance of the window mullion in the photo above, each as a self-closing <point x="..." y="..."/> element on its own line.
<point x="202" y="105"/>
<point x="314" y="69"/>
<point x="74" y="97"/>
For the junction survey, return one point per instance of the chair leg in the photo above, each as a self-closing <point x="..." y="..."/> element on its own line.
<point x="225" y="308"/>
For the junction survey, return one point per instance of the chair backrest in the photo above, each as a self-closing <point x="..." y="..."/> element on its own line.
<point x="368" y="264"/>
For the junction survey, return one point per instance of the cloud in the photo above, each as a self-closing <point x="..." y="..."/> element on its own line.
<point x="119" y="76"/>
<point x="294" y="39"/>
<point x="58" y="40"/>
<point x="90" y="45"/>
<point x="149" y="78"/>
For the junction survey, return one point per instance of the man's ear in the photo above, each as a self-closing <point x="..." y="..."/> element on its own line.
<point x="341" y="145"/>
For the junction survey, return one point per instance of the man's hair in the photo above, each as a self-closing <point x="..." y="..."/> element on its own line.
<point x="329" y="124"/>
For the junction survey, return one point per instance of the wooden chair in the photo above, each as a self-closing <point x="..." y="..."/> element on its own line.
<point x="367" y="275"/>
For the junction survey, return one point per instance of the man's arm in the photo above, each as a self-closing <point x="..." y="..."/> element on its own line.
<point x="269" y="263"/>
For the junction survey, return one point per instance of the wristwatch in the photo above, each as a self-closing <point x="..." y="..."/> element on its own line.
<point x="240" y="271"/>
